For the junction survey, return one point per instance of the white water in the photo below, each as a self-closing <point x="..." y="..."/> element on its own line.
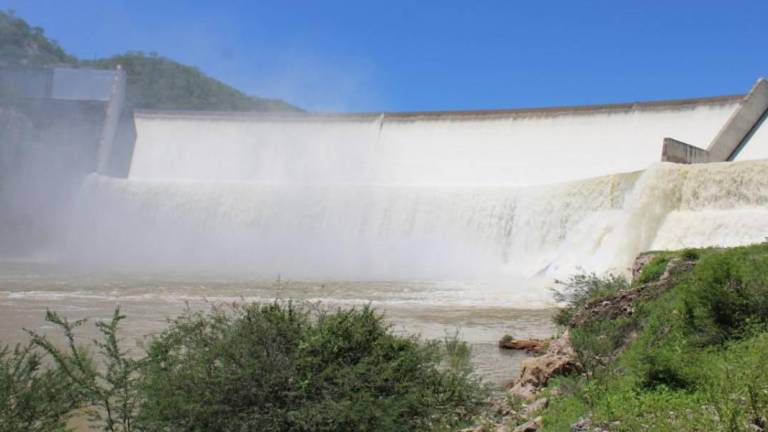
<point x="529" y="148"/>
<point x="488" y="203"/>
<point x="501" y="238"/>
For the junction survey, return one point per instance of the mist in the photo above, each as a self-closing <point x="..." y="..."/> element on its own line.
<point x="47" y="148"/>
<point x="319" y="197"/>
<point x="503" y="196"/>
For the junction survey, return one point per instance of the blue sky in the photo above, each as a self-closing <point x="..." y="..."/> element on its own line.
<point x="432" y="55"/>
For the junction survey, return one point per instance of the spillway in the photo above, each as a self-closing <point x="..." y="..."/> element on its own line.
<point x="516" y="195"/>
<point x="490" y="148"/>
<point x="417" y="232"/>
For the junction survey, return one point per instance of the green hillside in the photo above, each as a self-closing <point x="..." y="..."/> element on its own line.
<point x="22" y="44"/>
<point x="161" y="83"/>
<point x="154" y="82"/>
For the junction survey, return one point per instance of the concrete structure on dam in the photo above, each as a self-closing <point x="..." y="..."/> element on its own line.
<point x="507" y="147"/>
<point x="56" y="126"/>
<point x="745" y="121"/>
<point x="75" y="114"/>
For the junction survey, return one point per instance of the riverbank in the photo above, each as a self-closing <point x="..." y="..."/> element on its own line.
<point x="681" y="348"/>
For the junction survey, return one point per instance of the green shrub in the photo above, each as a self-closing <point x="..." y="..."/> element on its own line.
<point x="281" y="367"/>
<point x="727" y="297"/>
<point x="575" y="291"/>
<point x="32" y="398"/>
<point x="106" y="392"/>
<point x="273" y="367"/>
<point x="690" y="254"/>
<point x="596" y="341"/>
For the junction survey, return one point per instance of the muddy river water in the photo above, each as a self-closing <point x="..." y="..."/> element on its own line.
<point x="430" y="309"/>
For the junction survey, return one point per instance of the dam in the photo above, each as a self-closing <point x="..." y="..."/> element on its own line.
<point x="509" y="148"/>
<point x="520" y="194"/>
<point x="443" y="220"/>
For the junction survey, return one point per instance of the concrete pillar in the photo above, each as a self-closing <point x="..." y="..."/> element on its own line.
<point x="111" y="120"/>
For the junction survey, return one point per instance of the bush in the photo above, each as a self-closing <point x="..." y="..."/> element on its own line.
<point x="577" y="289"/>
<point x="727" y="296"/>
<point x="32" y="399"/>
<point x="596" y="341"/>
<point x="265" y="367"/>
<point x="106" y="392"/>
<point x="280" y="367"/>
<point x="690" y="254"/>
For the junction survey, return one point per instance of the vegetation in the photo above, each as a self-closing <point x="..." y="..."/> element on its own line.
<point x="159" y="83"/>
<point x="691" y="357"/>
<point x="154" y="82"/>
<point x="266" y="367"/>
<point x="106" y="392"/>
<point x="22" y="44"/>
<point x="653" y="270"/>
<point x="575" y="291"/>
<point x="32" y="398"/>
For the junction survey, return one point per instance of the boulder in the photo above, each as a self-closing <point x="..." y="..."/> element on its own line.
<point x="536" y="406"/>
<point x="530" y="426"/>
<point x="529" y="345"/>
<point x="536" y="371"/>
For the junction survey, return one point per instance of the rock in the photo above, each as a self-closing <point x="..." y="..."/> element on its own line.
<point x="583" y="425"/>
<point x="536" y="371"/>
<point x="534" y="407"/>
<point x="530" y="426"/>
<point x="502" y="408"/>
<point x="530" y="345"/>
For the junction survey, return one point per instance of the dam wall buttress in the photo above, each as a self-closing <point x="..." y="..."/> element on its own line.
<point x="744" y="126"/>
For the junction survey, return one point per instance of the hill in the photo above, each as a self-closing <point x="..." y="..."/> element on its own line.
<point x="154" y="82"/>
<point x="22" y="44"/>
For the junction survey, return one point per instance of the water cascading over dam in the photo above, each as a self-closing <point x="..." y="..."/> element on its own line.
<point x="420" y="196"/>
<point x="432" y="232"/>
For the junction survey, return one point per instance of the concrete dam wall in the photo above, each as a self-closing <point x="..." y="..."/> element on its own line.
<point x="522" y="147"/>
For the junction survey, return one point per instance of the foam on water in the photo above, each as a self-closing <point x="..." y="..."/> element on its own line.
<point x="504" y="236"/>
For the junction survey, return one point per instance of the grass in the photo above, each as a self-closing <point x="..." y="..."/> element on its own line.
<point x="653" y="270"/>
